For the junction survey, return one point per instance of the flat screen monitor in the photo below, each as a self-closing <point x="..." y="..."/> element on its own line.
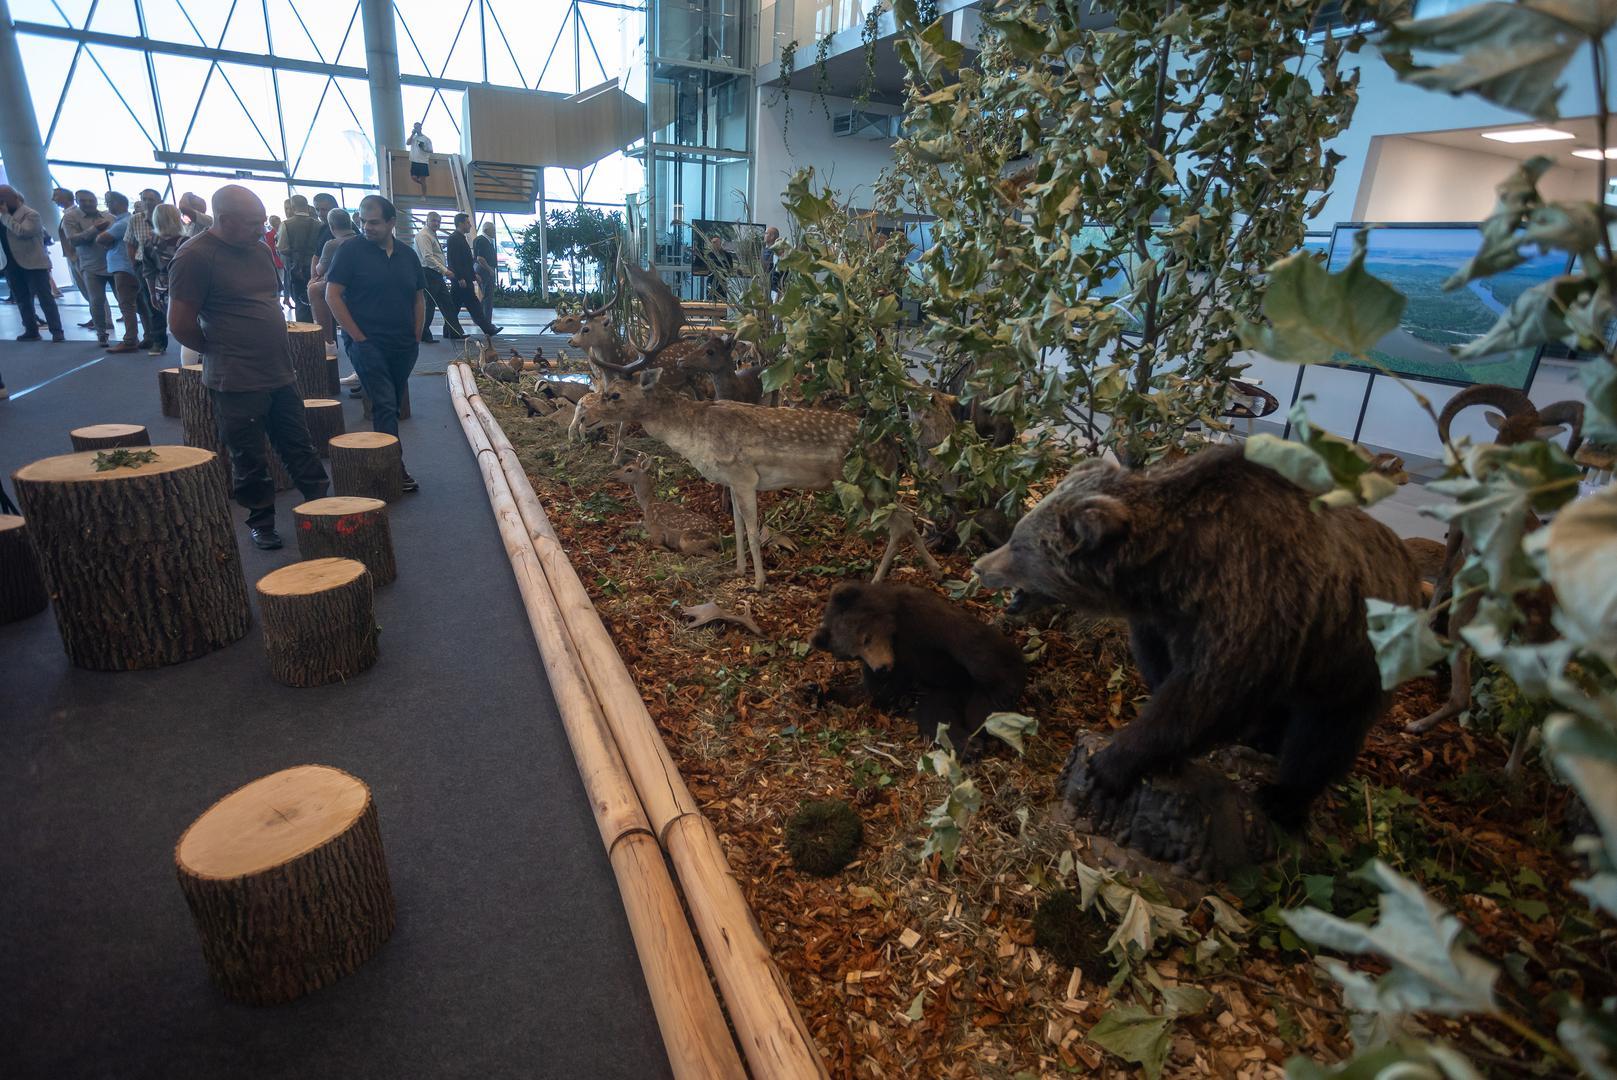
<point x="1317" y="244"/>
<point x="1416" y="259"/>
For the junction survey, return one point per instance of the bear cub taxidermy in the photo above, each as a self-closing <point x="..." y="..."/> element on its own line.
<point x="913" y="643"/>
<point x="1245" y="608"/>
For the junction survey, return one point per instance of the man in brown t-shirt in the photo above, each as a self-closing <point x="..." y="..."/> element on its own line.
<point x="224" y="302"/>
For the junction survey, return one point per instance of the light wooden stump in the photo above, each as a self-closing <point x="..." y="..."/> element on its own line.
<point x="22" y="585"/>
<point x="350" y="528"/>
<point x="140" y="560"/>
<point x="319" y="621"/>
<point x="306" y="342"/>
<point x="287" y="883"/>
<point x="168" y="390"/>
<point x="369" y="464"/>
<point x="324" y="417"/>
<point x="197" y="419"/>
<point x="108" y="436"/>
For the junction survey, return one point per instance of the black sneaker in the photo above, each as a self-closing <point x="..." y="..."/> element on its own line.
<point x="58" y="336"/>
<point x="496" y="330"/>
<point x="454" y="335"/>
<point x="267" y="538"/>
<point x="87" y="325"/>
<point x="428" y="339"/>
<point x="34" y="336"/>
<point x="410" y="483"/>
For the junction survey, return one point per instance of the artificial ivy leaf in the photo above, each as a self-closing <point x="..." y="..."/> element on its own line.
<point x="1314" y="314"/>
<point x="1406" y="648"/>
<point x="917" y="1009"/>
<point x="1293" y="460"/>
<point x="1024" y="38"/>
<point x="1586" y="754"/>
<point x="1591" y="18"/>
<point x="1134" y="1033"/>
<point x="1010" y="728"/>
<point x="1536" y="317"/>
<point x="1225" y="917"/>
<point x="1180" y="1001"/>
<point x="1600" y="386"/>
<point x="1590" y="1032"/>
<point x="1431" y="971"/>
<point x="1404" y="1061"/>
<point x="1583" y="568"/>
<point x="1510" y="54"/>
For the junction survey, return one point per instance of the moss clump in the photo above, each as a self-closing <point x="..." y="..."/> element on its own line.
<point x="823" y="836"/>
<point x="1071" y="935"/>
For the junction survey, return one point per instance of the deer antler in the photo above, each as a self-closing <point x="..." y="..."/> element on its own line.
<point x="1569" y="413"/>
<point x="664" y="315"/>
<point x="1513" y="403"/>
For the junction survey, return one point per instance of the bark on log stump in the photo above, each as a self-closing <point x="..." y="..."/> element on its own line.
<point x="108" y="436"/>
<point x="404" y="404"/>
<point x="140" y="560"/>
<point x="168" y="390"/>
<point x="349" y="528"/>
<point x="197" y="419"/>
<point x="287" y="883"/>
<point x="368" y="464"/>
<point x="22" y="584"/>
<point x="319" y="621"/>
<point x="306" y="342"/>
<point x="324" y="417"/>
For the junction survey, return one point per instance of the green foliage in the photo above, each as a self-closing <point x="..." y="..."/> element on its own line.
<point x="947" y="821"/>
<point x="1314" y="315"/>
<point x="106" y="460"/>
<point x="581" y="235"/>
<point x="1110" y="197"/>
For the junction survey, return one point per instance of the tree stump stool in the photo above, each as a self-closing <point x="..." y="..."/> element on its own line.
<point x="197" y="420"/>
<point x="306" y="342"/>
<point x="22" y="584"/>
<point x="168" y="390"/>
<point x="108" y="436"/>
<point x="350" y="528"/>
<point x="324" y="417"/>
<point x="287" y="883"/>
<point x="319" y="624"/>
<point x="140" y="560"/>
<point x="368" y="464"/>
<point x="404" y="404"/>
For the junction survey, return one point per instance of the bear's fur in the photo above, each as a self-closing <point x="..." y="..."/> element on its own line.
<point x="909" y="641"/>
<point x="1246" y="611"/>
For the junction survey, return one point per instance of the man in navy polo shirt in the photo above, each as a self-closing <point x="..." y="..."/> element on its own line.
<point x="374" y="288"/>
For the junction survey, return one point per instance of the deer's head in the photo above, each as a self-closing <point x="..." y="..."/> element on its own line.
<point x="634" y="474"/>
<point x="716" y="354"/>
<point x="626" y="400"/>
<point x="595" y="330"/>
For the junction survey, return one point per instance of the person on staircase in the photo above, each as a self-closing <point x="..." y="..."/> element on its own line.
<point x="224" y="302"/>
<point x="463" y="276"/>
<point x="299" y="246"/>
<point x="125" y="283"/>
<point x="28" y="267"/>
<point x="433" y="271"/>
<point x="378" y="297"/>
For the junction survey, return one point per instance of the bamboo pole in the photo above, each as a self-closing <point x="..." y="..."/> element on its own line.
<point x="776" y="1041"/>
<point x="692" y="1024"/>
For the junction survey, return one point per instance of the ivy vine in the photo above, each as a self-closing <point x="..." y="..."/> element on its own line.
<point x="867" y="37"/>
<point x="788" y="64"/>
<point x="822" y="81"/>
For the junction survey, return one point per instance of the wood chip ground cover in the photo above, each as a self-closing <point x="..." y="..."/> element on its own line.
<point x="903" y="968"/>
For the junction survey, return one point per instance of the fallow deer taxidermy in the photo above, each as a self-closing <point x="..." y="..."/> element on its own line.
<point x="1518" y="420"/>
<point x="668" y="525"/>
<point x="747" y="448"/>
<point x="716" y="359"/>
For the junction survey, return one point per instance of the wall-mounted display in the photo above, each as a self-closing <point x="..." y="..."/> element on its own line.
<point x="1416" y="259"/>
<point x="1317" y="244"/>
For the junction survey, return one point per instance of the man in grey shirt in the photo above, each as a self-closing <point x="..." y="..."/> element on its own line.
<point x="224" y="302"/>
<point x="92" y="258"/>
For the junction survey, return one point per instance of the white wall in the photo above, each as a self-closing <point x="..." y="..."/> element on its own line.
<point x="849" y="164"/>
<point x="1414" y="180"/>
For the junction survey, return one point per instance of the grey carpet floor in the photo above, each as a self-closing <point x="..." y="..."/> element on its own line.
<point x="512" y="956"/>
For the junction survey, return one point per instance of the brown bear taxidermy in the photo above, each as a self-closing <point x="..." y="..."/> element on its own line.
<point x="911" y="643"/>
<point x="1246" y="612"/>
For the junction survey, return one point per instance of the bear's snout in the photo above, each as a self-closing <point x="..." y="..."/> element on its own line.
<point x="995" y="568"/>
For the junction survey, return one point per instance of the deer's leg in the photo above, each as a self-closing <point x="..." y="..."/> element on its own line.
<point x="741" y="536"/>
<point x="886" y="563"/>
<point x="747" y="499"/>
<point x="1459" y="697"/>
<point x="617" y="446"/>
<point x="909" y="532"/>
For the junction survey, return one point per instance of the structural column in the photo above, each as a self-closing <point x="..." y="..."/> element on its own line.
<point x="20" y="144"/>
<point x="382" y="65"/>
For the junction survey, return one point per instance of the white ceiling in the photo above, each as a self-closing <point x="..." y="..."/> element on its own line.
<point x="1559" y="151"/>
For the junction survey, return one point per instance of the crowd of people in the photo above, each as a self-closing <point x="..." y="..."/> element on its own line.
<point x="223" y="285"/>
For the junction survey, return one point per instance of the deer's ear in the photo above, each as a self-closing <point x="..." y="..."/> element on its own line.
<point x="648" y="379"/>
<point x="727" y="340"/>
<point x="1495" y="420"/>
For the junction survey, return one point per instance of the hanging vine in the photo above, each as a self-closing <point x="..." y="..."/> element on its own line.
<point x="867" y="38"/>
<point x="822" y="73"/>
<point x="788" y="64"/>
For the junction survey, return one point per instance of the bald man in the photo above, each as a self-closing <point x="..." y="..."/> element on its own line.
<point x="224" y="302"/>
<point x="28" y="268"/>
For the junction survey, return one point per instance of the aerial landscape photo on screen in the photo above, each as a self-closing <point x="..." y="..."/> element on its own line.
<point x="1416" y="260"/>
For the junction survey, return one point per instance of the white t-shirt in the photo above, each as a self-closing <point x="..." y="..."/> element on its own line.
<point x="420" y="149"/>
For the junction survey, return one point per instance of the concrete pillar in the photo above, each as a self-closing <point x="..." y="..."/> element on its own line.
<point x="382" y="65"/>
<point x="20" y="145"/>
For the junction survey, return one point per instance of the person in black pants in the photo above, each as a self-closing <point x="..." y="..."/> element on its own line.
<point x="376" y="293"/>
<point x="22" y="241"/>
<point x="224" y="301"/>
<point x="463" y="276"/>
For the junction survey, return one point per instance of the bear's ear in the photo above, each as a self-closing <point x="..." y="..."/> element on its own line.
<point x="1093" y="522"/>
<point x="846" y="594"/>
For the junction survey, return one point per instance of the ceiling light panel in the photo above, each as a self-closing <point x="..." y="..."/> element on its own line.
<point x="1527" y="135"/>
